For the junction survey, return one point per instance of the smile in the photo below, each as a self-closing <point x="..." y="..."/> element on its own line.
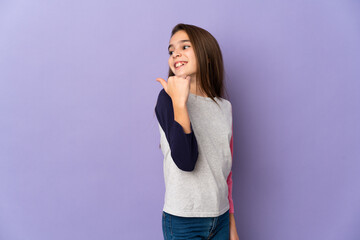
<point x="179" y="64"/>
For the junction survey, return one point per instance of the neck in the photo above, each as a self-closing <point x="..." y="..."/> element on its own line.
<point x="194" y="88"/>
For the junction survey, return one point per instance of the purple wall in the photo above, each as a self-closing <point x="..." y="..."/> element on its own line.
<point x="79" y="140"/>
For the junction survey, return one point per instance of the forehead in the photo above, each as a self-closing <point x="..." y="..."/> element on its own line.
<point x="179" y="35"/>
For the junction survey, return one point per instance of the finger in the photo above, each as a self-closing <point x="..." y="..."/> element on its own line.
<point x="188" y="78"/>
<point x="162" y="82"/>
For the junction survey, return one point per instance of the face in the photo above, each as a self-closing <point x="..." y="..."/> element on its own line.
<point x="181" y="51"/>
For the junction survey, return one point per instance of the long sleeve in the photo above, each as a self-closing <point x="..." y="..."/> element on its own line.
<point x="183" y="146"/>
<point x="229" y="179"/>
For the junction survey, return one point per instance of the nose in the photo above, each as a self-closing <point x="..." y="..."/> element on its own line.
<point x="176" y="53"/>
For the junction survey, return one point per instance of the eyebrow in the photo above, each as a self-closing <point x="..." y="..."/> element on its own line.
<point x="186" y="40"/>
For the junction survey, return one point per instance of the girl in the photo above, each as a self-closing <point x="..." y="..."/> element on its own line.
<point x="195" y="124"/>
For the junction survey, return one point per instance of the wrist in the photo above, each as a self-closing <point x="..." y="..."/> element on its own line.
<point x="178" y="104"/>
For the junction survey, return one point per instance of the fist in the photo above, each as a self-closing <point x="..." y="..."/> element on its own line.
<point x="177" y="87"/>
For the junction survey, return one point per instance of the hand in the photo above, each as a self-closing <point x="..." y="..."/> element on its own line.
<point x="177" y="87"/>
<point x="233" y="231"/>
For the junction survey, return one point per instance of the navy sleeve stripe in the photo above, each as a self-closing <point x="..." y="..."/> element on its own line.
<point x="183" y="146"/>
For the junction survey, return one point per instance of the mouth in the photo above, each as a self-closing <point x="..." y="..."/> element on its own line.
<point x="180" y="64"/>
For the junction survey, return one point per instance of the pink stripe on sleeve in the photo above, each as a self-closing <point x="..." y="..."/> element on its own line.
<point x="229" y="179"/>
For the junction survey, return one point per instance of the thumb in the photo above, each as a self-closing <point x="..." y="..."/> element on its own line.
<point x="188" y="78"/>
<point x="163" y="83"/>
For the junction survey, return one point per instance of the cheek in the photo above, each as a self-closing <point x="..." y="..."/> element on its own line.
<point x="194" y="67"/>
<point x="193" y="63"/>
<point x="193" y="60"/>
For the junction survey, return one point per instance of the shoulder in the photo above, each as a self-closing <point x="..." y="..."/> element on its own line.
<point x="227" y="101"/>
<point x="226" y="104"/>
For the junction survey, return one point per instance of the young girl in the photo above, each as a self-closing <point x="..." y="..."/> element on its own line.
<point x="195" y="124"/>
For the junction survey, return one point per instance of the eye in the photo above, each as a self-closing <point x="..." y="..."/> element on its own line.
<point x="170" y="52"/>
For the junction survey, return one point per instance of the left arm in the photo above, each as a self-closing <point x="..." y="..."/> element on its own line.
<point x="233" y="231"/>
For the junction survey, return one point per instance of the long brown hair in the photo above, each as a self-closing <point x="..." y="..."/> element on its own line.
<point x="210" y="66"/>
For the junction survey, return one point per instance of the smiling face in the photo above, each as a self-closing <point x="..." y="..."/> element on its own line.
<point x="182" y="60"/>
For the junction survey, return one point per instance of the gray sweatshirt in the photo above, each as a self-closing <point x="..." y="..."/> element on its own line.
<point x="197" y="165"/>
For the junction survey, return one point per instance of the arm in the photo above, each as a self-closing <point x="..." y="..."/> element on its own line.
<point x="233" y="231"/>
<point x="182" y="141"/>
<point x="181" y="116"/>
<point x="229" y="179"/>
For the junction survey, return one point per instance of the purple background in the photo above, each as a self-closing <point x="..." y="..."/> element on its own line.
<point x="79" y="140"/>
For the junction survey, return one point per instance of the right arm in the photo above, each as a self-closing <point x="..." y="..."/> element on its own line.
<point x="181" y="138"/>
<point x="181" y="116"/>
